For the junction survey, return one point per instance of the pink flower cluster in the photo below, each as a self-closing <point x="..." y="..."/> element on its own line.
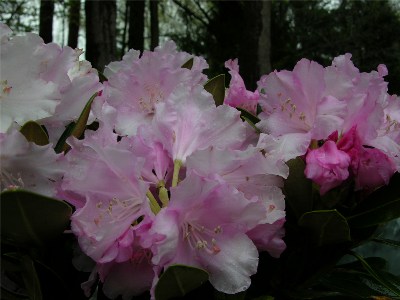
<point x="169" y="177"/>
<point x="344" y="122"/>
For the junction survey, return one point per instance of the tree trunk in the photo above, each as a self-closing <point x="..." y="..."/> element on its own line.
<point x="264" y="42"/>
<point x="100" y="32"/>
<point x="154" y="24"/>
<point x="248" y="43"/>
<point x="136" y="25"/>
<point x="73" y="22"/>
<point x="46" y="20"/>
<point x="125" y="30"/>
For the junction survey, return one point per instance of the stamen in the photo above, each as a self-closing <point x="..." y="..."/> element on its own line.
<point x="201" y="238"/>
<point x="153" y="95"/>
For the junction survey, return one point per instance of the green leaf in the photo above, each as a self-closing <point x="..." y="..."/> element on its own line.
<point x="378" y="263"/>
<point x="31" y="280"/>
<point x="61" y="145"/>
<point x="178" y="280"/>
<point x="387" y="242"/>
<point x="251" y="124"/>
<point x="33" y="132"/>
<point x="188" y="64"/>
<point x="248" y="115"/>
<point x="351" y="285"/>
<point x="222" y="296"/>
<point x="216" y="87"/>
<point x="298" y="189"/>
<point x="75" y="128"/>
<point x="389" y="281"/>
<point x="266" y="297"/>
<point x="326" y="227"/>
<point x="249" y="118"/>
<point x="30" y="219"/>
<point x="380" y="207"/>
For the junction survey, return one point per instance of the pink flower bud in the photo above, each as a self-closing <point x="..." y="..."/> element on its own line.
<point x="327" y="166"/>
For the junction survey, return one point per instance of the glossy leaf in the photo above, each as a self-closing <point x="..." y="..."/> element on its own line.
<point x="249" y="118"/>
<point x="378" y="263"/>
<point x="31" y="280"/>
<point x="390" y="282"/>
<point x="75" y="128"/>
<point x="326" y="227"/>
<point x="298" y="189"/>
<point x="188" y="64"/>
<point x="61" y="144"/>
<point x="380" y="207"/>
<point x="30" y="219"/>
<point x="216" y="87"/>
<point x="178" y="280"/>
<point x="251" y="124"/>
<point x="248" y="115"/>
<point x="350" y="284"/>
<point x="388" y="242"/>
<point x="33" y="132"/>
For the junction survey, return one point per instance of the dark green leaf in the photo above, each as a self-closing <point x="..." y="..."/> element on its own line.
<point x="216" y="87"/>
<point x="390" y="282"/>
<point x="61" y="144"/>
<point x="349" y="284"/>
<point x="378" y="263"/>
<point x="387" y="242"/>
<point x="381" y="213"/>
<point x="8" y="295"/>
<point x="34" y="133"/>
<point x="298" y="189"/>
<point x="30" y="278"/>
<point x="248" y="115"/>
<point x="188" y="64"/>
<point x="178" y="280"/>
<point x="326" y="227"/>
<point x="222" y="296"/>
<point x="380" y="207"/>
<point x="75" y="128"/>
<point x="251" y="124"/>
<point x="264" y="298"/>
<point x="28" y="218"/>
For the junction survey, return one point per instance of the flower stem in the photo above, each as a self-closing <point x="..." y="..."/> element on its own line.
<point x="155" y="207"/>
<point x="177" y="167"/>
<point x="163" y="195"/>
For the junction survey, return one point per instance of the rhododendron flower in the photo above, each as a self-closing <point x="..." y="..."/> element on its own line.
<point x="28" y="166"/>
<point x="136" y="85"/>
<point x="248" y="171"/>
<point x="284" y="147"/>
<point x="158" y="164"/>
<point x="185" y="232"/>
<point x="237" y="95"/>
<point x="44" y="83"/>
<point x="388" y="137"/>
<point x="189" y="121"/>
<point x="24" y="95"/>
<point x="269" y="237"/>
<point x="105" y="176"/>
<point x="327" y="166"/>
<point x="371" y="167"/>
<point x="129" y="278"/>
<point x="296" y="103"/>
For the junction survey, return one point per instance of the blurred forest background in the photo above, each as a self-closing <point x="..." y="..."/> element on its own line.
<point x="263" y="35"/>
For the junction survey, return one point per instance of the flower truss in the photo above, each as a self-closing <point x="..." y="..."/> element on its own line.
<point x="167" y="177"/>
